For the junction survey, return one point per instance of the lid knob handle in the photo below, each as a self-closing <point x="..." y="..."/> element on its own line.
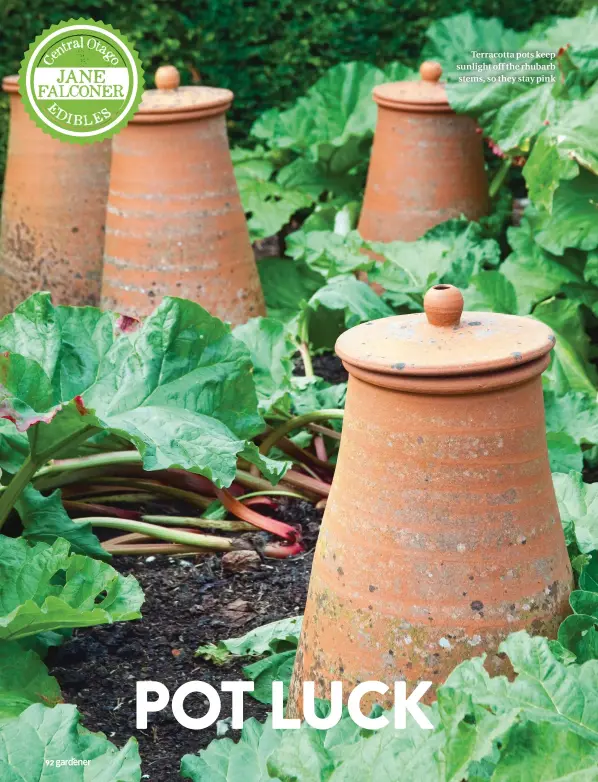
<point x="430" y="70"/>
<point x="167" y="77"/>
<point x="443" y="305"/>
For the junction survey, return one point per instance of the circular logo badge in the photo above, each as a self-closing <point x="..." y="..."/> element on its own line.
<point x="81" y="81"/>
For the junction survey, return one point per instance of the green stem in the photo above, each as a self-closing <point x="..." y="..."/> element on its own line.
<point x="499" y="177"/>
<point x="195" y="539"/>
<point x="190" y="521"/>
<point x="274" y="492"/>
<point x="84" y="462"/>
<point x="14" y="489"/>
<point x="296" y="423"/>
<point x="308" y="366"/>
<point x="252" y="481"/>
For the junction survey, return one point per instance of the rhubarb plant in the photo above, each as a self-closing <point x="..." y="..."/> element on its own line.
<point x="177" y="387"/>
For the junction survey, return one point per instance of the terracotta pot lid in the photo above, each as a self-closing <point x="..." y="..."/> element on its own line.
<point x="171" y="102"/>
<point x="425" y="94"/>
<point x="444" y="340"/>
<point x="10" y="83"/>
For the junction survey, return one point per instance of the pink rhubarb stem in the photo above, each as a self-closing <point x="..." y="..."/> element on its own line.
<point x="279" y="528"/>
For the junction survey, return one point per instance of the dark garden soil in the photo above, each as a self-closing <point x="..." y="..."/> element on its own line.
<point x="188" y="602"/>
<point x="328" y="366"/>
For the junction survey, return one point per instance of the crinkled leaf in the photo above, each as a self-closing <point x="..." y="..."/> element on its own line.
<point x="328" y="253"/>
<point x="545" y="690"/>
<point x="490" y="291"/>
<point x="575" y="414"/>
<point x="24" y="680"/>
<point x="452" y="40"/>
<point x="333" y="123"/>
<point x="546" y="753"/>
<point x="341" y="304"/>
<point x="179" y="387"/>
<point x="535" y="273"/>
<point x="314" y="178"/>
<point x="581" y="31"/>
<point x="275" y="667"/>
<point x="570" y="368"/>
<point x="315" y="393"/>
<point x="271" y="352"/>
<point x="563" y="452"/>
<point x="36" y="597"/>
<point x="45" y="519"/>
<point x="573" y="221"/>
<point x="562" y="148"/>
<point x="68" y="343"/>
<point x="268" y="204"/>
<point x="274" y="637"/>
<point x="32" y="745"/>
<point x="578" y="506"/>
<point x="227" y="761"/>
<point x="286" y="286"/>
<point x="14" y="447"/>
<point x="450" y="252"/>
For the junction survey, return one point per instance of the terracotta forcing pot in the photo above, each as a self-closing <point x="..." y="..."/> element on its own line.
<point x="427" y="163"/>
<point x="175" y="225"/>
<point x="53" y="213"/>
<point x="441" y="534"/>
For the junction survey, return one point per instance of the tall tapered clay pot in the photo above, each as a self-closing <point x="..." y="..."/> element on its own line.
<point x="442" y="534"/>
<point x="53" y="213"/>
<point x="427" y="163"/>
<point x="175" y="225"/>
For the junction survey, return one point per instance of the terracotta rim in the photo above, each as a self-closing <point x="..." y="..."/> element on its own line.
<point x="451" y="385"/>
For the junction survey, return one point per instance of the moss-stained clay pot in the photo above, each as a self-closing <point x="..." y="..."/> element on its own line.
<point x="427" y="163"/>
<point x="175" y="225"/>
<point x="53" y="213"/>
<point x="442" y="534"/>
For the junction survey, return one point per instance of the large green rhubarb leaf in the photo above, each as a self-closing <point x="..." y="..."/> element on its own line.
<point x="545" y="690"/>
<point x="271" y="352"/>
<point x="24" y="680"/>
<point x="573" y="221"/>
<point x="278" y="636"/>
<point x="48" y="588"/>
<point x="341" y="304"/>
<point x="329" y="253"/>
<point x="562" y="148"/>
<point x="45" y="519"/>
<point x="453" y="40"/>
<point x="578" y="506"/>
<point x="268" y="204"/>
<point x="178" y="386"/>
<point x="450" y="252"/>
<point x="535" y="273"/>
<point x="570" y="368"/>
<point x="513" y="112"/>
<point x="38" y="745"/>
<point x="334" y="122"/>
<point x="227" y="761"/>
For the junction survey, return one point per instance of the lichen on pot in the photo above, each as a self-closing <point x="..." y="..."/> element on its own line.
<point x="441" y="534"/>
<point x="53" y="213"/>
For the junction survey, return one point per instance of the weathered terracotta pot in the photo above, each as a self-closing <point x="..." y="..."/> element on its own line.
<point x="442" y="534"/>
<point x="175" y="224"/>
<point x="53" y="213"/>
<point x="427" y="163"/>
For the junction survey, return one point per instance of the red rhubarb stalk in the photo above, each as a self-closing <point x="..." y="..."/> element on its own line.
<point x="279" y="528"/>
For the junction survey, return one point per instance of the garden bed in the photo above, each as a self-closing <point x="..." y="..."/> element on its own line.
<point x="189" y="601"/>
